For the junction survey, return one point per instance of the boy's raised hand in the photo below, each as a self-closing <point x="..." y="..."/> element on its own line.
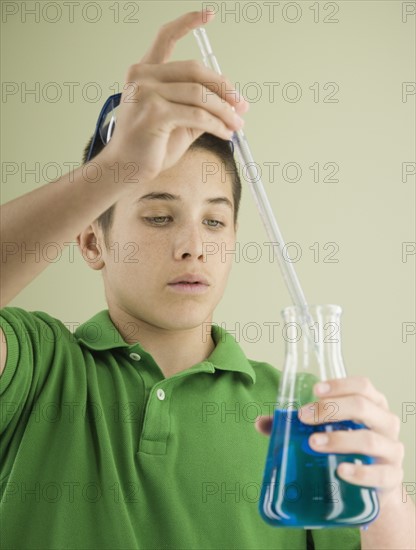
<point x="165" y="105"/>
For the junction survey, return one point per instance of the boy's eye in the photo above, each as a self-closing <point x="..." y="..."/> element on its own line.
<point x="163" y="220"/>
<point x="214" y="223"/>
<point x="158" y="220"/>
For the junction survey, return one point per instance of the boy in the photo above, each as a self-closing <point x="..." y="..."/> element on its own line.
<point x="110" y="435"/>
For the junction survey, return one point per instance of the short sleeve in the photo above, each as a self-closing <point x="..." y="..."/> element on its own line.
<point x="32" y="339"/>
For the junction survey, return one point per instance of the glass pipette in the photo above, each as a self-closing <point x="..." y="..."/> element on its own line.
<point x="266" y="213"/>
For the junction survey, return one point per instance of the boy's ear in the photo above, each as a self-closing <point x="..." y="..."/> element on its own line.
<point x="90" y="248"/>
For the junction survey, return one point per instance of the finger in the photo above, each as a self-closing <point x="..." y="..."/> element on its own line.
<point x="165" y="41"/>
<point x="352" y="407"/>
<point x="363" y="442"/>
<point x="264" y="424"/>
<point x="381" y="476"/>
<point x="192" y="71"/>
<point x="350" y="386"/>
<point x="185" y="116"/>
<point x="192" y="94"/>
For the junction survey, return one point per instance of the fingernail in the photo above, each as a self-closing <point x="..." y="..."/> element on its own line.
<point x="240" y="99"/>
<point x="243" y="102"/>
<point x="239" y="121"/>
<point x="320" y="439"/>
<point x="322" y="387"/>
<point x="246" y="106"/>
<point x="306" y="412"/>
<point x="347" y="469"/>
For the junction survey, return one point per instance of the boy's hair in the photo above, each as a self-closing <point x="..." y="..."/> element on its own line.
<point x="222" y="148"/>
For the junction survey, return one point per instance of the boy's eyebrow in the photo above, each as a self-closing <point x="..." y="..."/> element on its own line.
<point x="169" y="197"/>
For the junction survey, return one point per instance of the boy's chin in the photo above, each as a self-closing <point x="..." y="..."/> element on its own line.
<point x="186" y="320"/>
<point x="183" y="324"/>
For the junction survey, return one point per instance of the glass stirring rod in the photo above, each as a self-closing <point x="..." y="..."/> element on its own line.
<point x="260" y="197"/>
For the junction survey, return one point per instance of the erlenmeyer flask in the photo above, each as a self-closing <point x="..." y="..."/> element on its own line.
<point x="300" y="486"/>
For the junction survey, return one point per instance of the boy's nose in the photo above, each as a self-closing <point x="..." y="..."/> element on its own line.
<point x="189" y="242"/>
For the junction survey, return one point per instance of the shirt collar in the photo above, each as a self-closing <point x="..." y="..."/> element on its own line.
<point x="99" y="334"/>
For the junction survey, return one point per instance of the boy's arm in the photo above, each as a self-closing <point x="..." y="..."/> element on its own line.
<point x="169" y="109"/>
<point x="54" y="213"/>
<point x="395" y="527"/>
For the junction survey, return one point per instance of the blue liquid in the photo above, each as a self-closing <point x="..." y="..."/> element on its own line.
<point x="301" y="487"/>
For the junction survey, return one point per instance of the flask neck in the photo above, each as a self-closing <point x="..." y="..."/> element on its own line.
<point x="313" y="349"/>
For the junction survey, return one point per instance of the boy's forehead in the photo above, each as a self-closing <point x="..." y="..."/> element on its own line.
<point x="198" y="173"/>
<point x="199" y="163"/>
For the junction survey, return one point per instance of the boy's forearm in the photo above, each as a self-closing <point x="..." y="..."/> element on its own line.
<point x="55" y="213"/>
<point x="395" y="527"/>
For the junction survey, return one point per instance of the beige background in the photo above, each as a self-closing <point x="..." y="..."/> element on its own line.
<point x="368" y="133"/>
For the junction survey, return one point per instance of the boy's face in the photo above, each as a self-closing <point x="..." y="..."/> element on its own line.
<point x="189" y="235"/>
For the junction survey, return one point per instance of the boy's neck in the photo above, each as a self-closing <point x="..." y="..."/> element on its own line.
<point x="173" y="351"/>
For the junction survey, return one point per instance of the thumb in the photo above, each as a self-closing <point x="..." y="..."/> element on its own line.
<point x="264" y="424"/>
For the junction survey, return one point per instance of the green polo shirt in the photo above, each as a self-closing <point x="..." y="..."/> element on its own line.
<point x="100" y="450"/>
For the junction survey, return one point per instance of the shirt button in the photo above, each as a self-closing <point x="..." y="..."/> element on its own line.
<point x="135" y="356"/>
<point x="160" y="394"/>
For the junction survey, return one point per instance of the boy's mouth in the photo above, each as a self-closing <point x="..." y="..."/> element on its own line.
<point x="190" y="278"/>
<point x="189" y="282"/>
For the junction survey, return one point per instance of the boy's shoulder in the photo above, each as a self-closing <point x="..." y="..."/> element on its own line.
<point x="41" y="326"/>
